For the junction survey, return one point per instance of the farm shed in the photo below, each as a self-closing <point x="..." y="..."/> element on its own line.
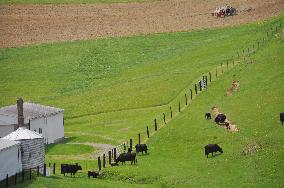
<point x="32" y="147"/>
<point x="10" y="158"/>
<point x="45" y="120"/>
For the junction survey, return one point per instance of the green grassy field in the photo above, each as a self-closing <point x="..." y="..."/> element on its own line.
<point x="111" y="89"/>
<point x="66" y="1"/>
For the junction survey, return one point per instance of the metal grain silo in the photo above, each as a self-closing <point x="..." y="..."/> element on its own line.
<point x="32" y="147"/>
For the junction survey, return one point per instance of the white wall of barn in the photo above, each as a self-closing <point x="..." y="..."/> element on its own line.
<point x="55" y="127"/>
<point x="10" y="162"/>
<point x="51" y="126"/>
<point x="5" y="130"/>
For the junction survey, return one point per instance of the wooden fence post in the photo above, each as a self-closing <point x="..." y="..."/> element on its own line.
<point x="109" y="157"/>
<point x="171" y="112"/>
<point x="44" y="170"/>
<point x="148" y="133"/>
<point x="16" y="178"/>
<point x="37" y="170"/>
<point x="190" y="94"/>
<point x="164" y="117"/>
<point x="7" y="180"/>
<point x="104" y="160"/>
<point x="130" y="144"/>
<point x="216" y="72"/>
<point x="99" y="163"/>
<point x="139" y="141"/>
<point x="185" y="99"/>
<point x="195" y="87"/>
<point x="227" y="64"/>
<point x="222" y="67"/>
<point x="114" y="154"/>
<point x="178" y="106"/>
<point x="54" y="168"/>
<point x="23" y="176"/>
<point x="30" y="173"/>
<point x="200" y="86"/>
<point x="210" y="77"/>
<point x="155" y="124"/>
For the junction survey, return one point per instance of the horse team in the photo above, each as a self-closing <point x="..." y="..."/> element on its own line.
<point x="224" y="11"/>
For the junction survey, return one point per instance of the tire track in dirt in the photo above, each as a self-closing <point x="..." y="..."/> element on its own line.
<point x="34" y="24"/>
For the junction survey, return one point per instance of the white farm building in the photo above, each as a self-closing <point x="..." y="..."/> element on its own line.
<point x="45" y="120"/>
<point x="10" y="158"/>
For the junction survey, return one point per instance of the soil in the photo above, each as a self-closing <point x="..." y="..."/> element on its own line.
<point x="34" y="24"/>
<point x="230" y="126"/>
<point x="234" y="87"/>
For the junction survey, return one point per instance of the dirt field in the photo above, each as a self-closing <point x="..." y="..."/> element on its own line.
<point x="32" y="24"/>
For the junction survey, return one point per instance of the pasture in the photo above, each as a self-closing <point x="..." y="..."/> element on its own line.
<point x="111" y="89"/>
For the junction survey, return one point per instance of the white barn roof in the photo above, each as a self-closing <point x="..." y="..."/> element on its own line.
<point x="22" y="134"/>
<point x="5" y="144"/>
<point x="31" y="111"/>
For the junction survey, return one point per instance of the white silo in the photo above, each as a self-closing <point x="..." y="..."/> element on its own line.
<point x="32" y="147"/>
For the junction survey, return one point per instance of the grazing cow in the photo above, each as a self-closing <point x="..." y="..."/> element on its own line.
<point x="93" y="174"/>
<point x="210" y="148"/>
<point x="126" y="157"/>
<point x="220" y="118"/>
<point x="67" y="168"/>
<point x="282" y="117"/>
<point x="208" y="116"/>
<point x="141" y="148"/>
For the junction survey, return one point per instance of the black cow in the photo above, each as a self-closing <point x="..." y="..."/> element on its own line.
<point x="126" y="157"/>
<point x="68" y="168"/>
<point x="220" y="118"/>
<point x="210" y="148"/>
<point x="282" y="117"/>
<point x="141" y="148"/>
<point x="93" y="174"/>
<point x="207" y="115"/>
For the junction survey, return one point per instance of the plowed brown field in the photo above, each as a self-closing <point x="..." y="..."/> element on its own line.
<point x="32" y="24"/>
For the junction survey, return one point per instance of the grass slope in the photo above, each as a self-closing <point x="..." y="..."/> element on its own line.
<point x="176" y="156"/>
<point x="113" y="88"/>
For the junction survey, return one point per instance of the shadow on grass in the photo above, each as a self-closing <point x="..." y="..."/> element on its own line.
<point x="214" y="155"/>
<point x="66" y="140"/>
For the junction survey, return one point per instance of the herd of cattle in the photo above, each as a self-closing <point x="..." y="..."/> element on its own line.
<point x="128" y="156"/>
<point x="123" y="157"/>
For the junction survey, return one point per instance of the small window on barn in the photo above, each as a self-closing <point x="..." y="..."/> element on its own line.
<point x="40" y="131"/>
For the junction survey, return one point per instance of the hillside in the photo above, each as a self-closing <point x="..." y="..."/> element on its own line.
<point x="114" y="103"/>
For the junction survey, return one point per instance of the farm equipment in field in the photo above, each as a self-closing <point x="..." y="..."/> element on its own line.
<point x="224" y="11"/>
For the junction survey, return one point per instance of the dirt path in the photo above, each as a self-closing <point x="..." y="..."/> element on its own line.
<point x="33" y="24"/>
